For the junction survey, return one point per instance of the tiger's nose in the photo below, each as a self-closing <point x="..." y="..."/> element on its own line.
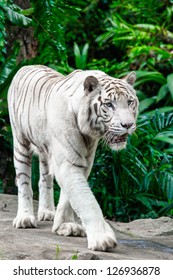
<point x="126" y="125"/>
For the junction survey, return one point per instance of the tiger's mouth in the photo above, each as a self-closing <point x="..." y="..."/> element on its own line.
<point x="117" y="142"/>
<point x="114" y="139"/>
<point x="118" y="139"/>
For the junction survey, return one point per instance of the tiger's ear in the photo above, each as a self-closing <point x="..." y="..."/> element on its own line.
<point x="130" y="78"/>
<point x="90" y="84"/>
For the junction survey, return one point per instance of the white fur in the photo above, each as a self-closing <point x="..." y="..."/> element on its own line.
<point x="58" y="131"/>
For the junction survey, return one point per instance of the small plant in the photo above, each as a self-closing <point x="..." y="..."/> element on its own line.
<point x="58" y="251"/>
<point x="75" y="256"/>
<point x="81" y="56"/>
<point x="2" y="256"/>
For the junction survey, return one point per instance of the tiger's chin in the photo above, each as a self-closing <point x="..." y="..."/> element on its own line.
<point x="118" y="146"/>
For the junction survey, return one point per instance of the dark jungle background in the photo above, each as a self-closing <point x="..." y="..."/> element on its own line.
<point x="116" y="37"/>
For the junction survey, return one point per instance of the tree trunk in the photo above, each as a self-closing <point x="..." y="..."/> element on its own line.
<point x="23" y="35"/>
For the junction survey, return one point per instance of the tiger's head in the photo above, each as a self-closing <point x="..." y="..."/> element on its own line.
<point x="113" y="108"/>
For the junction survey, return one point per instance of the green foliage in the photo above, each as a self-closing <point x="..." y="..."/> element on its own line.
<point x="15" y="15"/>
<point x="49" y="30"/>
<point x="113" y="36"/>
<point x="2" y="255"/>
<point x="75" y="256"/>
<point x="81" y="56"/>
<point x="170" y="84"/>
<point x="58" y="251"/>
<point x="142" y="31"/>
<point x="156" y="91"/>
<point x="2" y="33"/>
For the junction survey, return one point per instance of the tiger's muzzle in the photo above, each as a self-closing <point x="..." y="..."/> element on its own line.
<point x="116" y="137"/>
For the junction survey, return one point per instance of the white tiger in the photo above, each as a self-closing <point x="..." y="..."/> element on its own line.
<point x="61" y="119"/>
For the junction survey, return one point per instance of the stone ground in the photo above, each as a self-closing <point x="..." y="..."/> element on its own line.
<point x="141" y="239"/>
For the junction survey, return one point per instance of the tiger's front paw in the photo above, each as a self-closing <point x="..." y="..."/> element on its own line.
<point x="24" y="221"/>
<point x="102" y="240"/>
<point x="102" y="243"/>
<point x="45" y="215"/>
<point x="70" y="229"/>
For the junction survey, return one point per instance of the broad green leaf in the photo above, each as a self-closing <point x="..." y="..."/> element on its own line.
<point x="144" y="104"/>
<point x="169" y="185"/>
<point x="169" y="151"/>
<point x="164" y="139"/>
<point x="84" y="55"/>
<point x="16" y="17"/>
<point x="162" y="92"/>
<point x="6" y="70"/>
<point x="165" y="210"/>
<point x="165" y="109"/>
<point x="85" y="49"/>
<point x="145" y="76"/>
<point x="148" y="27"/>
<point x="141" y="74"/>
<point x="76" y="50"/>
<point x="170" y="83"/>
<point x="104" y="37"/>
<point x="81" y="56"/>
<point x="145" y="49"/>
<point x="145" y="201"/>
<point x="27" y="12"/>
<point x="77" y="55"/>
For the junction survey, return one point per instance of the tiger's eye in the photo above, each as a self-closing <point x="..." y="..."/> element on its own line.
<point x="129" y="102"/>
<point x="109" y="105"/>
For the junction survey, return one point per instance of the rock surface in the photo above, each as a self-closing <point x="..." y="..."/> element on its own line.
<point x="140" y="239"/>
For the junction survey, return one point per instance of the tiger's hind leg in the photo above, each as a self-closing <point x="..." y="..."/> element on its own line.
<point x="22" y="162"/>
<point x="64" y="221"/>
<point x="46" y="201"/>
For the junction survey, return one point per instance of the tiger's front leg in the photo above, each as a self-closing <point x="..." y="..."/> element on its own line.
<point x="64" y="221"/>
<point x="72" y="180"/>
